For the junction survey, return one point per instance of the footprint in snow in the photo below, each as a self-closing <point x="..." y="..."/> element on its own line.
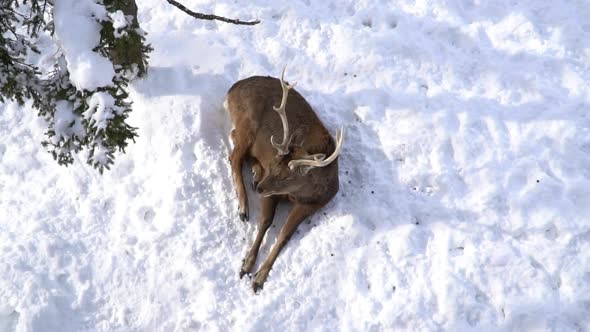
<point x="147" y="214"/>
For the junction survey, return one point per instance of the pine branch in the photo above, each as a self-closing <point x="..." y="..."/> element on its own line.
<point x="210" y="16"/>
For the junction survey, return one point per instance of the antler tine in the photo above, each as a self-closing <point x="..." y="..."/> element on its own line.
<point x="283" y="148"/>
<point x="320" y="160"/>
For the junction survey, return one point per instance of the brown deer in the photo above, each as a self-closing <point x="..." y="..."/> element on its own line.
<point x="296" y="169"/>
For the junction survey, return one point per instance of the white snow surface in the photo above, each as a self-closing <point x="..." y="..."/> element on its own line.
<point x="78" y="34"/>
<point x="119" y="19"/>
<point x="465" y="177"/>
<point x="100" y="109"/>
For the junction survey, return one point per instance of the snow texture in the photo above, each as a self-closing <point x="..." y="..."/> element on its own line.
<point x="100" y="109"/>
<point x="78" y="31"/>
<point x="465" y="183"/>
<point x="119" y="20"/>
<point x="67" y="123"/>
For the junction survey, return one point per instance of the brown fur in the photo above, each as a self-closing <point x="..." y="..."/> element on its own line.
<point x="250" y="105"/>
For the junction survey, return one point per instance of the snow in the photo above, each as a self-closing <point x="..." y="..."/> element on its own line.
<point x="100" y="109"/>
<point x="465" y="183"/>
<point x="78" y="34"/>
<point x="67" y="123"/>
<point x="119" y="20"/>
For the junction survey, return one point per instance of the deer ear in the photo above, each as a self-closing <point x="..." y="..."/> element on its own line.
<point x="304" y="169"/>
<point x="298" y="169"/>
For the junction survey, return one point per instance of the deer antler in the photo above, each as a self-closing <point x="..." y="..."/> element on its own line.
<point x="283" y="148"/>
<point x="319" y="160"/>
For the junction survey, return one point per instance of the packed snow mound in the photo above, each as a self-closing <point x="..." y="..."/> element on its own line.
<point x="465" y="185"/>
<point x="79" y="33"/>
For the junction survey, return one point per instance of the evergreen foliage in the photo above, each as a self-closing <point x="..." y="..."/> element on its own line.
<point x="77" y="119"/>
<point x="18" y="79"/>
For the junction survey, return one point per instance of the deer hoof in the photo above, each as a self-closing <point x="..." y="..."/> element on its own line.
<point x="244" y="216"/>
<point x="242" y="273"/>
<point x="243" y="212"/>
<point x="256" y="287"/>
<point x="259" y="279"/>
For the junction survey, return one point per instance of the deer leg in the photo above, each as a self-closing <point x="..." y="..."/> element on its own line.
<point x="296" y="216"/>
<point x="267" y="212"/>
<point x="236" y="160"/>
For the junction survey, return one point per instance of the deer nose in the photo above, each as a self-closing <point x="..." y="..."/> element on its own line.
<point x="258" y="189"/>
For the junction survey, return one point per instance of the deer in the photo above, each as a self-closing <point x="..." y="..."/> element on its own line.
<point x="301" y="169"/>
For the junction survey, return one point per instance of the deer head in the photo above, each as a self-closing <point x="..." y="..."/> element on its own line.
<point x="289" y="171"/>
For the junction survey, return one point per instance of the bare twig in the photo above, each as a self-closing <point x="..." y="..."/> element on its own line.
<point x="210" y="16"/>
